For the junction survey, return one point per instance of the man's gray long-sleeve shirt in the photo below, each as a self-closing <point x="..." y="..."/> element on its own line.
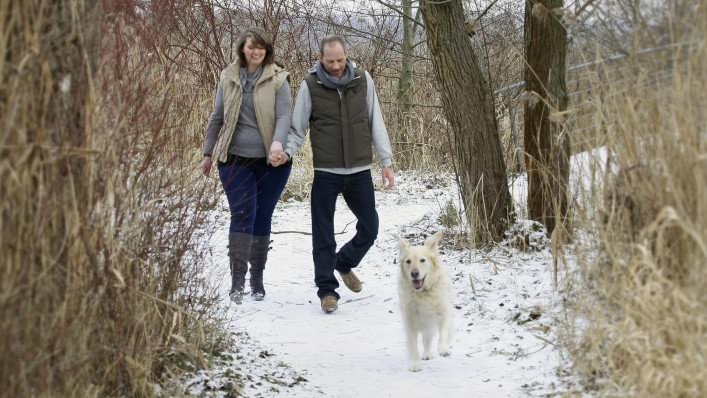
<point x="300" y="124"/>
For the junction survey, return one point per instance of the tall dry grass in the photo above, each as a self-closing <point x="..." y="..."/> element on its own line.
<point x="99" y="265"/>
<point x="641" y="297"/>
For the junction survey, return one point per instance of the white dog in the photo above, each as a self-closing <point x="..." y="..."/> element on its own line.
<point x="425" y="299"/>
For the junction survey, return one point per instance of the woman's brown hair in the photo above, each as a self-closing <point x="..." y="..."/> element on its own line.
<point x="259" y="38"/>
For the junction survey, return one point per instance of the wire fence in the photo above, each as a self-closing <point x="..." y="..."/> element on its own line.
<point x="420" y="138"/>
<point x="589" y="85"/>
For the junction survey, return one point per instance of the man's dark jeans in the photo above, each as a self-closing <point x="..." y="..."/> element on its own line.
<point x="357" y="190"/>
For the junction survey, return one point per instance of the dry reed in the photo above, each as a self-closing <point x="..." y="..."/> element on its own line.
<point x="100" y="204"/>
<point x="641" y="295"/>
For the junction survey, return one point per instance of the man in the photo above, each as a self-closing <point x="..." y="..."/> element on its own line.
<point x="338" y="103"/>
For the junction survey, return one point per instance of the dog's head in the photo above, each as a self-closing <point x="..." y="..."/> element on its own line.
<point x="420" y="265"/>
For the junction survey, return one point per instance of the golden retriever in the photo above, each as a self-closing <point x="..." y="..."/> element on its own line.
<point x="425" y="293"/>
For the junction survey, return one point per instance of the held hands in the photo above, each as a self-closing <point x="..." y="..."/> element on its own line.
<point x="277" y="155"/>
<point x="205" y="165"/>
<point x="388" y="177"/>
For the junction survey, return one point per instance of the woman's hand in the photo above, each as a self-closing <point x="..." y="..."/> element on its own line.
<point x="205" y="165"/>
<point x="277" y="155"/>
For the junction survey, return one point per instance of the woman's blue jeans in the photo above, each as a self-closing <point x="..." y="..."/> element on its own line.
<point x="253" y="188"/>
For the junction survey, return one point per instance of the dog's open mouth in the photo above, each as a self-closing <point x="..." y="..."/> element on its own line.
<point x="418" y="283"/>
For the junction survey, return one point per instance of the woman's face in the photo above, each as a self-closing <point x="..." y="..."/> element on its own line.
<point x="254" y="54"/>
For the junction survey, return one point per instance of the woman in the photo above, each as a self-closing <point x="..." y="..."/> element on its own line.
<point x="250" y="121"/>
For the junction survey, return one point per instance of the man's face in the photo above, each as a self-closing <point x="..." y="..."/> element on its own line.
<point x="334" y="59"/>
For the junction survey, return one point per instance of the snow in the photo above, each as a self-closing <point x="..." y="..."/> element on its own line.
<point x="589" y="172"/>
<point x="505" y="308"/>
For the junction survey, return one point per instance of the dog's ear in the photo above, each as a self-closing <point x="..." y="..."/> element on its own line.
<point x="433" y="241"/>
<point x="402" y="243"/>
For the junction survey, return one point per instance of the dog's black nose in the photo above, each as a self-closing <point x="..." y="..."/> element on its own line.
<point x="414" y="274"/>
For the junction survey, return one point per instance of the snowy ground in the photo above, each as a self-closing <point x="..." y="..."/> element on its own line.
<point x="505" y="306"/>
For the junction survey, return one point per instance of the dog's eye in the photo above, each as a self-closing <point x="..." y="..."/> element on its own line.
<point x="408" y="261"/>
<point x="422" y="260"/>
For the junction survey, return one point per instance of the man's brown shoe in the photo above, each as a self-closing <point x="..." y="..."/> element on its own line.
<point x="351" y="281"/>
<point x="329" y="304"/>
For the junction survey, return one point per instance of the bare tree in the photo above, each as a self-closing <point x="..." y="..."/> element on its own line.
<point x="469" y="108"/>
<point x="547" y="146"/>
<point x="407" y="59"/>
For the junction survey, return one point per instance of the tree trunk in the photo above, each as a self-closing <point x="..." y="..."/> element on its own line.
<point x="469" y="108"/>
<point x="547" y="146"/>
<point x="404" y="140"/>
<point x="405" y="82"/>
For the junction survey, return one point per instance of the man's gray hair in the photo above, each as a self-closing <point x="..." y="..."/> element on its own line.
<point x="331" y="39"/>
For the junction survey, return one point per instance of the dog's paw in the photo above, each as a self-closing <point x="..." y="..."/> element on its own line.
<point x="426" y="357"/>
<point x="445" y="352"/>
<point x="415" y="367"/>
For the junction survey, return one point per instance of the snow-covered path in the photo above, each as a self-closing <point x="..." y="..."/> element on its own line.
<point x="499" y="349"/>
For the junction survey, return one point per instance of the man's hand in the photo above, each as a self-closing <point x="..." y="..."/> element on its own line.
<point x="205" y="165"/>
<point x="388" y="177"/>
<point x="277" y="155"/>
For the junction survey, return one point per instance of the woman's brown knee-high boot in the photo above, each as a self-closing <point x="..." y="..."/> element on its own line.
<point x="238" y="253"/>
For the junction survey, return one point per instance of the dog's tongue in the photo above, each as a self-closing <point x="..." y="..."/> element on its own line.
<point x="417" y="283"/>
